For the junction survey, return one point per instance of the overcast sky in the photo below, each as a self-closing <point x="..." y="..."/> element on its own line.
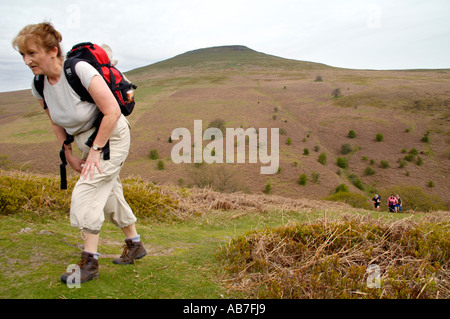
<point x="359" y="34"/>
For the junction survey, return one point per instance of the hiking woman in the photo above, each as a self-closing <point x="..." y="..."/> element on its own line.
<point x="98" y="192"/>
<point x="376" y="200"/>
<point x="392" y="202"/>
<point x="398" y="207"/>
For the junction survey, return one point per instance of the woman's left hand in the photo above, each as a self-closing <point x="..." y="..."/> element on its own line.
<point x="92" y="161"/>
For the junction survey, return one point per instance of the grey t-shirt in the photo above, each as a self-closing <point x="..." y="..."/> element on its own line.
<point x="65" y="107"/>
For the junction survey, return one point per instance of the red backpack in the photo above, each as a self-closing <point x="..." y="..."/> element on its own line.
<point x="98" y="58"/>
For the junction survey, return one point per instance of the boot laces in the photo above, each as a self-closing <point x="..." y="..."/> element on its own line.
<point x="126" y="249"/>
<point x="82" y="263"/>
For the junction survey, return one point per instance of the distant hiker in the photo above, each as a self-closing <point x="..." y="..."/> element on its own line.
<point x="98" y="192"/>
<point x="398" y="207"/>
<point x="376" y="200"/>
<point x="392" y="202"/>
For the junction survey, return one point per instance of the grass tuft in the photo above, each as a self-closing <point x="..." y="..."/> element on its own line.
<point x="326" y="259"/>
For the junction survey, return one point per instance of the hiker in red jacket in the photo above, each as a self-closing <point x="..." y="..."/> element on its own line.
<point x="98" y="192"/>
<point x="392" y="202"/>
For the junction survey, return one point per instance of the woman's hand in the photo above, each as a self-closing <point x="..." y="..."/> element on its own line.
<point x="92" y="162"/>
<point x="75" y="162"/>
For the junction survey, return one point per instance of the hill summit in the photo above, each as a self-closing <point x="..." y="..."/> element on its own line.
<point x="227" y="56"/>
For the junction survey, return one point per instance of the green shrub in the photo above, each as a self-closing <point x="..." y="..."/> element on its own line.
<point x="356" y="181"/>
<point x="369" y="171"/>
<point x="160" y="165"/>
<point x="154" y="154"/>
<point x="351" y="134"/>
<point x="402" y="163"/>
<point x="34" y="196"/>
<point x="341" y="188"/>
<point x="289" y="141"/>
<point x="148" y="201"/>
<point x="306" y="151"/>
<point x="302" y="179"/>
<point x="315" y="177"/>
<point x="346" y="148"/>
<point x="409" y="157"/>
<point x="41" y="197"/>
<point x="379" y="137"/>
<point x="426" y="137"/>
<point x="419" y="161"/>
<point x="384" y="164"/>
<point x="342" y="162"/>
<point x="322" y="159"/>
<point x="268" y="188"/>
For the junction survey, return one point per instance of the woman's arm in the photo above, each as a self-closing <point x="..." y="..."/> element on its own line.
<point x="107" y="104"/>
<point x="61" y="136"/>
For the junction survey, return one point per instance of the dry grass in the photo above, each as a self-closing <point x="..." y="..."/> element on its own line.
<point x="203" y="200"/>
<point x="330" y="259"/>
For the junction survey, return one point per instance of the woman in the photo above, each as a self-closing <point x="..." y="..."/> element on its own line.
<point x="398" y="207"/>
<point x="376" y="200"/>
<point x="98" y="191"/>
<point x="392" y="202"/>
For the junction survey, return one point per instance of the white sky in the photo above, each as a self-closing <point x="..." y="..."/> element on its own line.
<point x="359" y="34"/>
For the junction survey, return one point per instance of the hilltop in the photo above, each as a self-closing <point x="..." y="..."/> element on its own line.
<point x="240" y="87"/>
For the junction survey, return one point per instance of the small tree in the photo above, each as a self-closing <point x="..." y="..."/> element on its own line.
<point x="302" y="179"/>
<point x="341" y="188"/>
<point x="346" y="148"/>
<point x="369" y="171"/>
<point x="379" y="137"/>
<point x="267" y="189"/>
<point x="154" y="154"/>
<point x="336" y="93"/>
<point x="322" y="159"/>
<point x="315" y="177"/>
<point x="384" y="164"/>
<point x="342" y="162"/>
<point x="351" y="134"/>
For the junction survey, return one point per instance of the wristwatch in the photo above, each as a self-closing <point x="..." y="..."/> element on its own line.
<point x="97" y="148"/>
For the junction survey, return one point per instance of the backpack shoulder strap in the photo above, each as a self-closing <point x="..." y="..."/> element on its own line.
<point x="74" y="80"/>
<point x="39" y="86"/>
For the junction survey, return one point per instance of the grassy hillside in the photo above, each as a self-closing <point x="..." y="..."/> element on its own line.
<point x="206" y="244"/>
<point x="407" y="111"/>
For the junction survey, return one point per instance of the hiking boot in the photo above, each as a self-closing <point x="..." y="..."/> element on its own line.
<point x="131" y="252"/>
<point x="88" y="268"/>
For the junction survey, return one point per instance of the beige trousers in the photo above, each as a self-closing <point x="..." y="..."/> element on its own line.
<point x="93" y="199"/>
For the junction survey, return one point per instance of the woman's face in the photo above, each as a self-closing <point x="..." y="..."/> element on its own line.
<point x="37" y="58"/>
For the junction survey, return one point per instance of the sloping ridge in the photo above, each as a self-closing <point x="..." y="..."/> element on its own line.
<point x="227" y="56"/>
